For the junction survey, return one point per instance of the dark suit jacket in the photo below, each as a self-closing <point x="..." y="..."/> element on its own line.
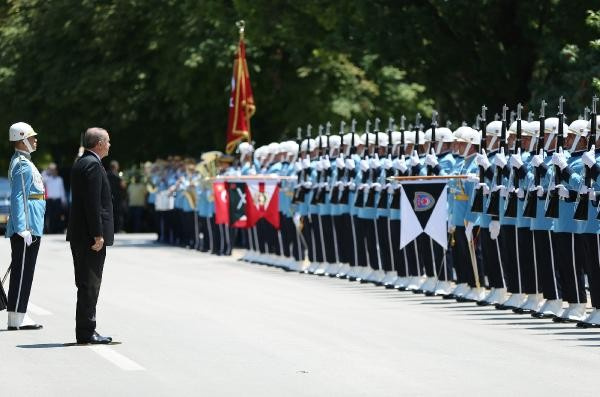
<point x="91" y="212"/>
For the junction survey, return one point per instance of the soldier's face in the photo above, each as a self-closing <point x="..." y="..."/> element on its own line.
<point x="553" y="143"/>
<point x="33" y="142"/>
<point x="488" y="140"/>
<point x="525" y="141"/>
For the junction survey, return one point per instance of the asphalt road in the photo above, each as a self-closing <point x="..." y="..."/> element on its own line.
<point x="192" y="324"/>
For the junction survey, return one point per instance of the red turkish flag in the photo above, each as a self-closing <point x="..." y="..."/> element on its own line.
<point x="241" y="101"/>
<point x="221" y="203"/>
<point x="262" y="201"/>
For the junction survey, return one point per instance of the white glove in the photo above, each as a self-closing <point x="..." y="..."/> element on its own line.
<point x="400" y="165"/>
<point x="390" y="188"/>
<point x="540" y="190"/>
<point x="431" y="160"/>
<point x="387" y="163"/>
<point x="298" y="166"/>
<point x="350" y="164"/>
<point x="325" y="163"/>
<point x="482" y="160"/>
<point x="484" y="186"/>
<point x="364" y="165"/>
<point x="520" y="193"/>
<point x="451" y="228"/>
<point x="414" y="160"/>
<point x="307" y="185"/>
<point x="472" y="178"/>
<point x="352" y="185"/>
<point x="375" y="163"/>
<point x="562" y="191"/>
<point x="27" y="237"/>
<point x="592" y="194"/>
<point x="589" y="158"/>
<point x="537" y="160"/>
<point x="584" y="189"/>
<point x="338" y="184"/>
<point x="297" y="218"/>
<point x="494" y="229"/>
<point x="559" y="160"/>
<point x="319" y="165"/>
<point x="516" y="161"/>
<point x="469" y="231"/>
<point x="305" y="163"/>
<point x="376" y="186"/>
<point x="340" y="163"/>
<point x="500" y="160"/>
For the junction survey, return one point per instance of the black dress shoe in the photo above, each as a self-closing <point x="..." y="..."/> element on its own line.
<point x="26" y="327"/>
<point x="500" y="306"/>
<point x="483" y="303"/>
<point x="95" y="339"/>
<point x="560" y="320"/>
<point x="583" y="324"/>
<point x="449" y="296"/>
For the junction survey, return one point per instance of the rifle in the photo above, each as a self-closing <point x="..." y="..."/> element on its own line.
<point x="494" y="201"/>
<point x="581" y="210"/>
<point x="512" y="199"/>
<point x="432" y="146"/>
<point x="477" y="205"/>
<point x="348" y="174"/>
<point x="383" y="197"/>
<point x="552" y="209"/>
<point x="360" y="195"/>
<point x="530" y="206"/>
<point x="374" y="174"/>
<point x="317" y="189"/>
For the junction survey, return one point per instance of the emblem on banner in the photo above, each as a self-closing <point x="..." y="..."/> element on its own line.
<point x="423" y="201"/>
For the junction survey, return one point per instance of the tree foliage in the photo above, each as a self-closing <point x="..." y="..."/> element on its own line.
<point x="156" y="73"/>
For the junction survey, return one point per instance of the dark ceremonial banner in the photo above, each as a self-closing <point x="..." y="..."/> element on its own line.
<point x="423" y="209"/>
<point x="237" y="204"/>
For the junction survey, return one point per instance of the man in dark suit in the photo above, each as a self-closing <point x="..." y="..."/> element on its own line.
<point x="90" y="230"/>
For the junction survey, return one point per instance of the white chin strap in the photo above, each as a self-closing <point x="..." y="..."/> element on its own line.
<point x="532" y="143"/>
<point x="438" y="148"/>
<point x="467" y="149"/>
<point x="575" y="142"/>
<point x="30" y="149"/>
<point x="492" y="143"/>
<point x="549" y="140"/>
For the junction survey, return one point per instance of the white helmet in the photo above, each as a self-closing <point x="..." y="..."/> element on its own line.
<point x="274" y="148"/>
<point x="245" y="148"/>
<point x="20" y="132"/>
<point x="532" y="129"/>
<point x="383" y="139"/>
<point x="579" y="128"/>
<point x="335" y="141"/>
<point x="368" y="137"/>
<point x="309" y="144"/>
<point x="442" y="135"/>
<point x="513" y="127"/>
<point x="468" y="135"/>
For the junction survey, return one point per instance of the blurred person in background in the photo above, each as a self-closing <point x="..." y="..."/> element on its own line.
<point x="56" y="200"/>
<point x="136" y="197"/>
<point x="117" y="187"/>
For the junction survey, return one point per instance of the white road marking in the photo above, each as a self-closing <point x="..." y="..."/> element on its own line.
<point x="116" y="358"/>
<point x="38" y="311"/>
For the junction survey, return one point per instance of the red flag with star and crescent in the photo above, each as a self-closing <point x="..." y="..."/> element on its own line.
<point x="241" y="101"/>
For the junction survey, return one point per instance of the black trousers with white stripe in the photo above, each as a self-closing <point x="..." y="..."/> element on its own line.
<point x="546" y="264"/>
<point x="571" y="254"/>
<point x="22" y="267"/>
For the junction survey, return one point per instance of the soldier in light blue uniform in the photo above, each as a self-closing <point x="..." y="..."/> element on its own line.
<point x="25" y="224"/>
<point x="570" y="243"/>
<point x="469" y="277"/>
<point x="288" y="233"/>
<point x="592" y="227"/>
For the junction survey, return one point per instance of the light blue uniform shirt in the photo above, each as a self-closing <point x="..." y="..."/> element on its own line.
<point x="565" y="222"/>
<point x="25" y="181"/>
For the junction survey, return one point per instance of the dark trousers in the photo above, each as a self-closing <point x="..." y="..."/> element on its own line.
<point x="88" y="277"/>
<point x="316" y="230"/>
<point x="348" y="247"/>
<point x="343" y="238"/>
<point x="385" y="246"/>
<point x="491" y="254"/>
<point x="329" y="239"/>
<point x="570" y="256"/>
<point x="509" y="257"/>
<point x="545" y="255"/>
<point x="397" y="255"/>
<point x="527" y="265"/>
<point x="22" y="267"/>
<point x="591" y="266"/>
<point x="366" y="232"/>
<point x="136" y="214"/>
<point x="462" y="259"/>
